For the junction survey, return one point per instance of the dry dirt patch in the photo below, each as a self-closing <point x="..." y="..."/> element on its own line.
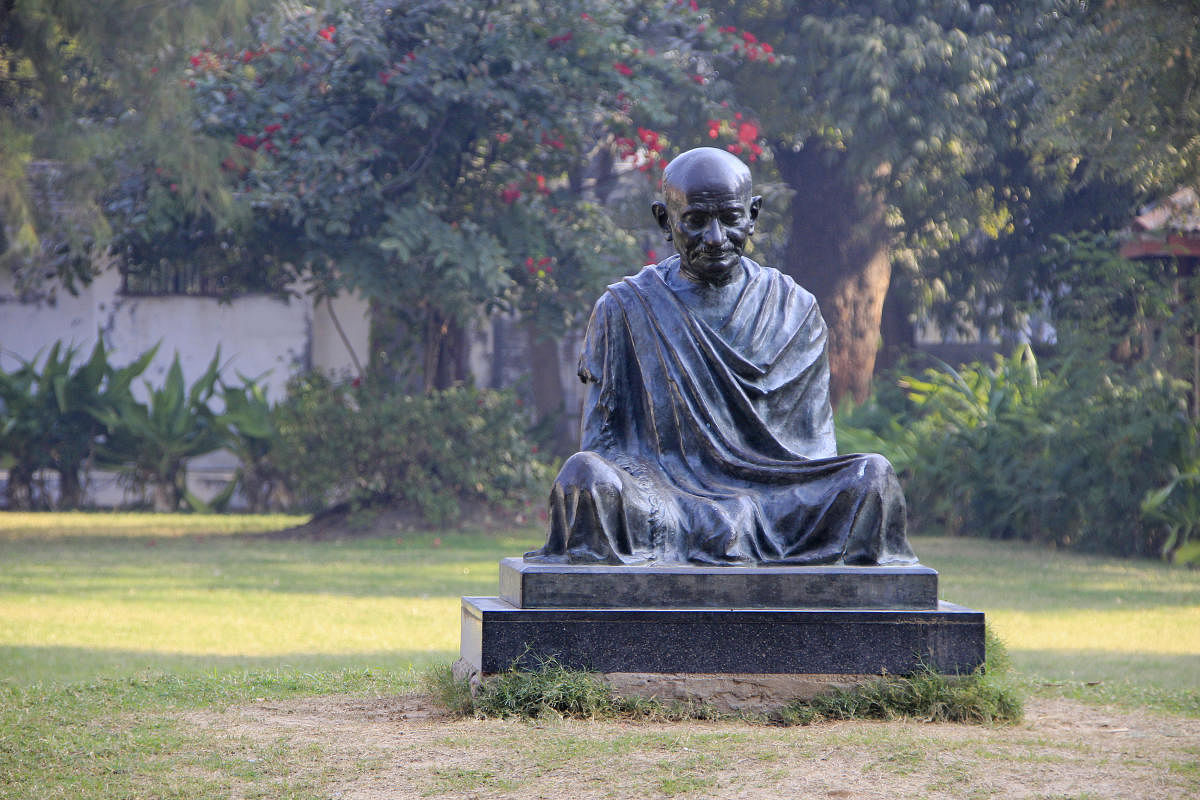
<point x="404" y="747"/>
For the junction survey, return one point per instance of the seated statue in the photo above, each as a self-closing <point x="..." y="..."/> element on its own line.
<point x="707" y="432"/>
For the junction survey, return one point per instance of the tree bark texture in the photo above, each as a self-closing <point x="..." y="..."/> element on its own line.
<point x="838" y="250"/>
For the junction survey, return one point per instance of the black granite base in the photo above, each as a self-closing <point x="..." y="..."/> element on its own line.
<point x="497" y="634"/>
<point x="531" y="585"/>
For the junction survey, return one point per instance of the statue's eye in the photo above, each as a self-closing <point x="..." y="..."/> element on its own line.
<point x="694" y="220"/>
<point x="731" y="218"/>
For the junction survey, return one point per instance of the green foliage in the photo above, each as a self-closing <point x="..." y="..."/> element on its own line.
<point x="1119" y="83"/>
<point x="1013" y="452"/>
<point x="431" y="155"/>
<point x="924" y="695"/>
<point x="151" y="442"/>
<point x="251" y="432"/>
<point x="1177" y="506"/>
<point x="551" y="689"/>
<point x="448" y="691"/>
<point x="51" y="416"/>
<point x="80" y="82"/>
<point x="365" y="444"/>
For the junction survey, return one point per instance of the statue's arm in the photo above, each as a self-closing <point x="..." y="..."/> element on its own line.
<point x="821" y="428"/>
<point x="595" y="370"/>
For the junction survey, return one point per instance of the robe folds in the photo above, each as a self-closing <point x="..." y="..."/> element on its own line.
<point x="712" y="446"/>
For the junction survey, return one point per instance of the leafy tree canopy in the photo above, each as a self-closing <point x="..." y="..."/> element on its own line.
<point x="79" y="80"/>
<point x="437" y="156"/>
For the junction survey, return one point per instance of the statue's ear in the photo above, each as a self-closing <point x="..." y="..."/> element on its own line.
<point x="755" y="205"/>
<point x="659" y="210"/>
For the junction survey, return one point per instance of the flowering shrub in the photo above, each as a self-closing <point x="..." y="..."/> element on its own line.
<point x="423" y="153"/>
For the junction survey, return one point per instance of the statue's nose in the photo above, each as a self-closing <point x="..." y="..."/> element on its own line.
<point x="714" y="234"/>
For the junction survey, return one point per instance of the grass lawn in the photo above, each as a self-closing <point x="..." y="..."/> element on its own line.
<point x="111" y="623"/>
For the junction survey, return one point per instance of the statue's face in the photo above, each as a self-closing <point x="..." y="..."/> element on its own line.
<point x="709" y="215"/>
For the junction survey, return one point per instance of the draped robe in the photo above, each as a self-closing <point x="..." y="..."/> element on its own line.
<point x="708" y="445"/>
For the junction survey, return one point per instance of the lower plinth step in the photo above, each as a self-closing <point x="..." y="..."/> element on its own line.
<point x="496" y="635"/>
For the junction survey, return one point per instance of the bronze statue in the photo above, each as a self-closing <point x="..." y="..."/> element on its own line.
<point x="707" y="433"/>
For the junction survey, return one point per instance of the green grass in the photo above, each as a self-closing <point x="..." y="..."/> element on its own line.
<point x="112" y="625"/>
<point x="1107" y="629"/>
<point x="77" y="605"/>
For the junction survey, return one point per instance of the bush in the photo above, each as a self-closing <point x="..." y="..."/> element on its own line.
<point x="1010" y="452"/>
<point x="365" y="445"/>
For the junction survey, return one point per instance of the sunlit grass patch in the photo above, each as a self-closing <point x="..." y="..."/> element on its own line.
<point x="16" y="525"/>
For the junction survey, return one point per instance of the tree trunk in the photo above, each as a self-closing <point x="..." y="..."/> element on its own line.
<point x="165" y="497"/>
<point x="19" y="489"/>
<point x="549" y="399"/>
<point x="445" y="353"/>
<point x="896" y="329"/>
<point x="70" y="487"/>
<point x="838" y="250"/>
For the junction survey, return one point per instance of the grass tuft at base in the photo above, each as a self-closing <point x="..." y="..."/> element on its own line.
<point x="554" y="690"/>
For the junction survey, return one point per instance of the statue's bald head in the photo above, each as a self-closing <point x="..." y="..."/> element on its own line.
<point x="708" y="213"/>
<point x="705" y="168"/>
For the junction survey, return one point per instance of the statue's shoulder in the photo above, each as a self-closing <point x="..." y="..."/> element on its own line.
<point x="782" y="285"/>
<point x="648" y="279"/>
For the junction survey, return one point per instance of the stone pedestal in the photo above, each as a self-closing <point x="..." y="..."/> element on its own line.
<point x="679" y="626"/>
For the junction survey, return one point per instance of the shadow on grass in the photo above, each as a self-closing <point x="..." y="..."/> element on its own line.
<point x="1162" y="670"/>
<point x="26" y="665"/>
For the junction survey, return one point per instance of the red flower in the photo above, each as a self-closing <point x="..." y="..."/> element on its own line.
<point x="248" y="141"/>
<point x="694" y="6"/>
<point x="586" y="17"/>
<point x="623" y="68"/>
<point x="510" y="194"/>
<point x="736" y="149"/>
<point x="174" y="187"/>
<point x="698" y="79"/>
<point x="767" y="48"/>
<point x="272" y="128"/>
<point x="195" y="61"/>
<point x="541" y="184"/>
<point x="503" y="137"/>
<point x="384" y="77"/>
<point x="652" y="256"/>
<point x="747" y="132"/>
<point x="562" y="38"/>
<point x="327" y="33"/>
<point x="247" y="56"/>
<point x="748" y="37"/>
